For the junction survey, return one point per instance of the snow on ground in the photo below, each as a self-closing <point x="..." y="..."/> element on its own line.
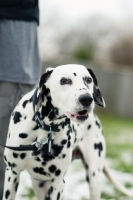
<point x="76" y="188"/>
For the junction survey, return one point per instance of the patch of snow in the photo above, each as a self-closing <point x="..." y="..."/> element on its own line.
<point x="25" y="182"/>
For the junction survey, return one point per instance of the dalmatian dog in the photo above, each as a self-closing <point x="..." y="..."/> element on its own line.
<point x="51" y="126"/>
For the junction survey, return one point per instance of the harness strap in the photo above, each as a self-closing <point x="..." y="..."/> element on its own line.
<point x="22" y="147"/>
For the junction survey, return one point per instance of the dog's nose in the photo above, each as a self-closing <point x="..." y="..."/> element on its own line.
<point x="85" y="100"/>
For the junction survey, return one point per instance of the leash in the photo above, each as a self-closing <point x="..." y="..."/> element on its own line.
<point x="47" y="139"/>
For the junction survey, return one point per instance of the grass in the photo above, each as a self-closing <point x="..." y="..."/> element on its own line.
<point x="84" y="52"/>
<point x="118" y="133"/>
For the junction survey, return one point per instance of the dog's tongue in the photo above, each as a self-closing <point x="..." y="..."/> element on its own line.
<point x="81" y="113"/>
<point x="74" y="116"/>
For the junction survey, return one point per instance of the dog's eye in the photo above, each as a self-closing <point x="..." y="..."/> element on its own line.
<point x="88" y="80"/>
<point x="65" y="81"/>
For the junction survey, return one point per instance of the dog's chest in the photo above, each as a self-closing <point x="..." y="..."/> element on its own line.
<point x="39" y="165"/>
<point x="45" y="167"/>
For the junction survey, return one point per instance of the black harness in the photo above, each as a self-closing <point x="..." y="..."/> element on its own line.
<point x="46" y="140"/>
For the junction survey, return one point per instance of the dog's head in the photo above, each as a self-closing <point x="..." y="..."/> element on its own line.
<point x="74" y="90"/>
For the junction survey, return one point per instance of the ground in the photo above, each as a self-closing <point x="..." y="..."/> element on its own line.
<point x="119" y="139"/>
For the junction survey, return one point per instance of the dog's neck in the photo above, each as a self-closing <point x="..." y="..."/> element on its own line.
<point x="48" y="113"/>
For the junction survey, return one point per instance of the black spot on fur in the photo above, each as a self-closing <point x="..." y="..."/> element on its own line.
<point x="13" y="165"/>
<point x="22" y="155"/>
<point x="50" y="191"/>
<point x="93" y="174"/>
<point x="75" y="74"/>
<point x="14" y="172"/>
<point x="9" y="164"/>
<point x="63" y="142"/>
<point x="40" y="170"/>
<point x="58" y="196"/>
<point x="37" y="159"/>
<point x="23" y="135"/>
<point x="98" y="124"/>
<point x="36" y="169"/>
<point x="17" y="117"/>
<point x="35" y="128"/>
<point x="41" y="184"/>
<point x="9" y="179"/>
<point x="86" y="166"/>
<point x="89" y="127"/>
<point x="69" y="144"/>
<point x="87" y="179"/>
<point x="7" y="194"/>
<point x="16" y="187"/>
<point x="69" y="137"/>
<point x="57" y="173"/>
<point x="44" y="163"/>
<point x="75" y="132"/>
<point x="15" y="155"/>
<point x="98" y="146"/>
<point x="15" y="180"/>
<point x="25" y="103"/>
<point x="75" y="140"/>
<point x="63" y="156"/>
<point x="5" y="158"/>
<point x="52" y="168"/>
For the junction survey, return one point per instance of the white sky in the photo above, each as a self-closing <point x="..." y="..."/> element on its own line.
<point x="77" y="8"/>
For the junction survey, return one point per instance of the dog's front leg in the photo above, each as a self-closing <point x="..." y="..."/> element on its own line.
<point x="48" y="190"/>
<point x="11" y="184"/>
<point x="93" y="178"/>
<point x="93" y="165"/>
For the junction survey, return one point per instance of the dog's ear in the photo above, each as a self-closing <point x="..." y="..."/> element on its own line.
<point x="49" y="69"/>
<point x="42" y="88"/>
<point x="97" y="94"/>
<point x="44" y="78"/>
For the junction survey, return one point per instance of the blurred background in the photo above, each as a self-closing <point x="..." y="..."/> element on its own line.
<point x="99" y="35"/>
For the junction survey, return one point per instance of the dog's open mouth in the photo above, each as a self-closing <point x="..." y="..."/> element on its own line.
<point x="81" y="115"/>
